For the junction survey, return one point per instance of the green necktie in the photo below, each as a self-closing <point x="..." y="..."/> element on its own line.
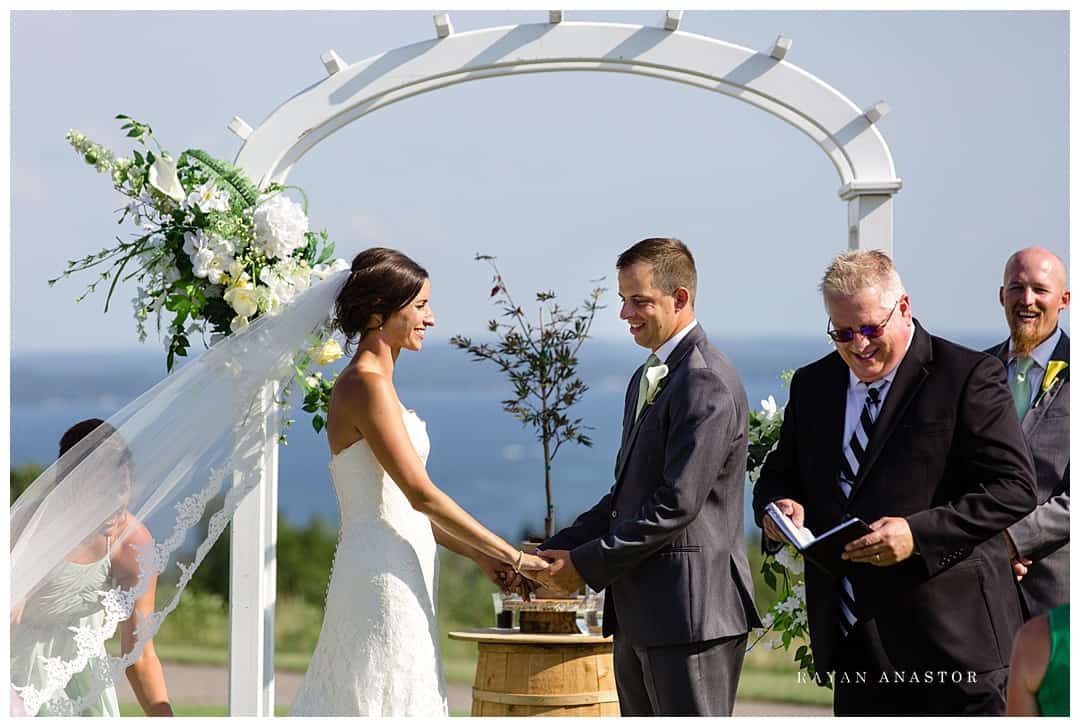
<point x="1021" y="385"/>
<point x="643" y="385"/>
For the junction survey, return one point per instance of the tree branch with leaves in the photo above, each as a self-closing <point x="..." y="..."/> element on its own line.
<point x="540" y="359"/>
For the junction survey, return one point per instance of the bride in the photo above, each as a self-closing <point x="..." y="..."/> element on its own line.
<point x="195" y="445"/>
<point x="378" y="651"/>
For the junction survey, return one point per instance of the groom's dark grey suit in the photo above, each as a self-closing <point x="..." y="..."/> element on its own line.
<point x="667" y="541"/>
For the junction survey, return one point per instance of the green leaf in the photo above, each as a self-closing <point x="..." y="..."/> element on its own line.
<point x="318" y="422"/>
<point x="327" y="253"/>
<point x="226" y="174"/>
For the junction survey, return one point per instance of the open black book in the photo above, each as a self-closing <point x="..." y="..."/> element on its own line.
<point x="823" y="550"/>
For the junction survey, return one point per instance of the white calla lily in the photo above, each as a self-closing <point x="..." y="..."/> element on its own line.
<point x="162" y="177"/>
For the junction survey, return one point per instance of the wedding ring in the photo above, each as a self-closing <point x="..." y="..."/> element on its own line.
<point x="877" y="556"/>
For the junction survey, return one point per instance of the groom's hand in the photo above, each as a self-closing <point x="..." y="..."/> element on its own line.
<point x="561" y="576"/>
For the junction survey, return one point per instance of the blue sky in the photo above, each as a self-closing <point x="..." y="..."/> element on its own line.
<point x="557" y="173"/>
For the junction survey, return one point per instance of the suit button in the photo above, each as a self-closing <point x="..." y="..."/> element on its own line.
<point x="614" y="514"/>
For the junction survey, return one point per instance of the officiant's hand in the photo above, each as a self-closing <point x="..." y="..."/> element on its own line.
<point x="562" y="576"/>
<point x="793" y="510"/>
<point x="890" y="543"/>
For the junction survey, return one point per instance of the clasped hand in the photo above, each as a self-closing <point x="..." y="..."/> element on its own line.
<point x="552" y="570"/>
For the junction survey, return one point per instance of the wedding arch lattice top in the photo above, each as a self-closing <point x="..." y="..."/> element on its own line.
<point x="843" y="130"/>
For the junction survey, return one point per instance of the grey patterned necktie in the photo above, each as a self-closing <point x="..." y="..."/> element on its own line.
<point x="643" y="385"/>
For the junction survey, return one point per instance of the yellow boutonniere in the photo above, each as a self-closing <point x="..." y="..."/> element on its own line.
<point x="1052" y="370"/>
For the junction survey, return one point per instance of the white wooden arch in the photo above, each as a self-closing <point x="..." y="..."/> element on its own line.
<point x="846" y="133"/>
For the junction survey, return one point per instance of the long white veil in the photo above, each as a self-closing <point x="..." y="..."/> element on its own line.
<point x="178" y="459"/>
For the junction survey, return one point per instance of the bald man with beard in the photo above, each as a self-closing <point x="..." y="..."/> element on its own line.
<point x="1033" y="294"/>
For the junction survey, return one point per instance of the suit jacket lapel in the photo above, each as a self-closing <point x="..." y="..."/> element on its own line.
<point x="833" y="407"/>
<point x="909" y="378"/>
<point x="1044" y="399"/>
<point x="630" y="425"/>
<point x="628" y="414"/>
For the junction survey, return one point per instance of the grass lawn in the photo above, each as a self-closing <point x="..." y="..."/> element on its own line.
<point x="197" y="633"/>
<point x="214" y="710"/>
<point x="194" y="710"/>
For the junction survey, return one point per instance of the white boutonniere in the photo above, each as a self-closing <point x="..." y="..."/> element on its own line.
<point x="654" y="377"/>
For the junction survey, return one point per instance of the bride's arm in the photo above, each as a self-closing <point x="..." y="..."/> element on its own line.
<point x="496" y="571"/>
<point x="146" y="676"/>
<point x="368" y="400"/>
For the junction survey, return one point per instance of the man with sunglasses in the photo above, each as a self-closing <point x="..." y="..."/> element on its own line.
<point x="918" y="437"/>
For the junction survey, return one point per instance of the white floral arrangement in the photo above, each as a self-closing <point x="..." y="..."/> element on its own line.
<point x="782" y="571"/>
<point x="211" y="249"/>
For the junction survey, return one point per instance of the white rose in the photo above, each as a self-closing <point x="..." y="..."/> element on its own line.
<point x="327" y="353"/>
<point x="244" y="300"/>
<point x="162" y="177"/>
<point x="280" y="226"/>
<point x="768" y="407"/>
<point x="238" y="323"/>
<point x="215" y="270"/>
<point x="236" y="270"/>
<point x="223" y="247"/>
<point x="286" y="279"/>
<point x="195" y="241"/>
<point x="201" y="262"/>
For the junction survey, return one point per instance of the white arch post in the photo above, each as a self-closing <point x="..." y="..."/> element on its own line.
<point x="846" y="133"/>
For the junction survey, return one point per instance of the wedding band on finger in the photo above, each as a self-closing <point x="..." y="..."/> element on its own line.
<point x="877" y="557"/>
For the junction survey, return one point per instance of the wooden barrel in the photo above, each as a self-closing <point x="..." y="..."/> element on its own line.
<point x="524" y="675"/>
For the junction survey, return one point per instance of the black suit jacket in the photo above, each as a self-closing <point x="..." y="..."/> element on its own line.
<point x="667" y="541"/>
<point x="1043" y="536"/>
<point x="946" y="453"/>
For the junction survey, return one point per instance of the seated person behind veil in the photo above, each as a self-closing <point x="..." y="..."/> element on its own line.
<point x="70" y="597"/>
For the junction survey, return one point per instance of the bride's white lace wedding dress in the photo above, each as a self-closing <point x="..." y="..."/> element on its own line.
<point x="378" y="651"/>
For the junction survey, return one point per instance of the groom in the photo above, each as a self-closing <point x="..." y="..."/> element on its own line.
<point x="667" y="540"/>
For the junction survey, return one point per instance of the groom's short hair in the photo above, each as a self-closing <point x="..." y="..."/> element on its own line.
<point x="671" y="262"/>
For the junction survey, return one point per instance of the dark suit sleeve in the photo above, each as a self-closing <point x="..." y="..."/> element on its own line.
<point x="1047" y="528"/>
<point x="702" y="428"/>
<point x="998" y="486"/>
<point x="588" y="526"/>
<point x="779" y="477"/>
<point x="594" y="522"/>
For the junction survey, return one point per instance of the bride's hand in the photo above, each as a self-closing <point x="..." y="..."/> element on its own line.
<point x="535" y="569"/>
<point x="497" y="572"/>
<point x="529" y="564"/>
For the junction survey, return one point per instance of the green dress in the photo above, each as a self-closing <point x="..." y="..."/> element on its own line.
<point x="1053" y="694"/>
<point x="70" y="597"/>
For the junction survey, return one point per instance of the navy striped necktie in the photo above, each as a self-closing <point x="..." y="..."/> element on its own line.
<point x="852" y="459"/>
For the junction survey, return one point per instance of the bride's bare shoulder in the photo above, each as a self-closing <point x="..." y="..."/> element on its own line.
<point x="357" y="384"/>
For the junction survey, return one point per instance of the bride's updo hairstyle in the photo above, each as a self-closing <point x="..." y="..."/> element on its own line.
<point x="383" y="281"/>
<point x="87" y="436"/>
